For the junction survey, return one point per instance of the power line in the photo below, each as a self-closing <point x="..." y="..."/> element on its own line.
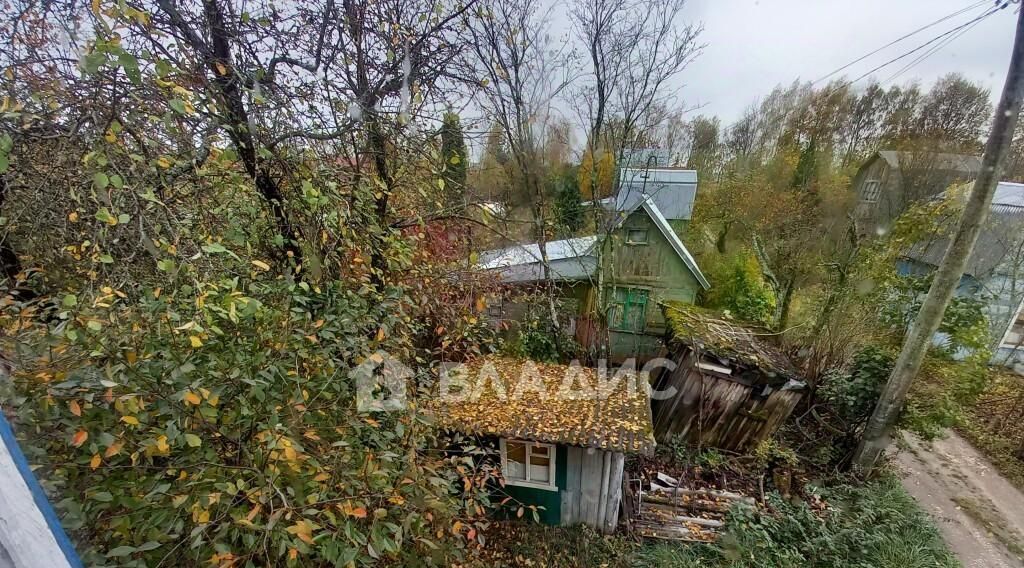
<point x="929" y="42"/>
<point x="931" y="52"/>
<point x="901" y="38"/>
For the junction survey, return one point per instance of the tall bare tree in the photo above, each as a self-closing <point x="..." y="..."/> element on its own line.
<point x="523" y="69"/>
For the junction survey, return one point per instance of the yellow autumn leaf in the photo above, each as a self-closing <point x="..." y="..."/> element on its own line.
<point x="196" y="342"/>
<point x="200" y="516"/>
<point x="192" y="398"/>
<point x="380" y="334"/>
<point x="161" y="446"/>
<point x="213" y="399"/>
<point x="178" y="500"/>
<point x="131" y="357"/>
<point x="303" y="530"/>
<point x="221" y="69"/>
<point x="73" y="216"/>
<point x="110" y="137"/>
<point x="74" y="407"/>
<point x="163" y="162"/>
<point x="130" y="420"/>
<point x="95" y="461"/>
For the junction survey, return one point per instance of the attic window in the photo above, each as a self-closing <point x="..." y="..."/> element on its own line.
<point x="636" y="237"/>
<point x="872" y="189"/>
<point x="529" y="464"/>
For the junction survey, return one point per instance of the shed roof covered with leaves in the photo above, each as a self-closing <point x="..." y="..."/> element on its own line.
<point x="544" y="402"/>
<point x="712" y="333"/>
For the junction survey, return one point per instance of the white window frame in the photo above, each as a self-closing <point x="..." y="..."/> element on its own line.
<point x="872" y="191"/>
<point x="546" y="485"/>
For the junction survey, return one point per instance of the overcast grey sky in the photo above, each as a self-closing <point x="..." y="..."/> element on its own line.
<point x="753" y="45"/>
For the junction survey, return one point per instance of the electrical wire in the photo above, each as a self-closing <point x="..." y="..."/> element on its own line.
<point x="930" y="52"/>
<point x="901" y="38"/>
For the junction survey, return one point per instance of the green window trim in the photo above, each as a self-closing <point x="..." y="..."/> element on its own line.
<point x="629" y="309"/>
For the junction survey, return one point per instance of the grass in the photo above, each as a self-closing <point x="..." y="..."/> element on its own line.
<point x="876" y="525"/>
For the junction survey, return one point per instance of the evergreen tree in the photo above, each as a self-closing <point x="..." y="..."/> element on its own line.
<point x="453" y="150"/>
<point x="568" y="202"/>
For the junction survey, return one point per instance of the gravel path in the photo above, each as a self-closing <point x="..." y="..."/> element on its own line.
<point x="981" y="515"/>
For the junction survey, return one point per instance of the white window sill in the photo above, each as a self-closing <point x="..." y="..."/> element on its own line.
<point x="530" y="485"/>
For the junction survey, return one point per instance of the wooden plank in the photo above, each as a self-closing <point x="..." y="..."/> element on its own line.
<point x="590" y="487"/>
<point x="611" y="520"/>
<point x="602" y="496"/>
<point x="571" y="495"/>
<point x="30" y="533"/>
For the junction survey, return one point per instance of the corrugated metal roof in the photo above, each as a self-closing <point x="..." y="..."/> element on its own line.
<point x="672" y="189"/>
<point x="1001" y="231"/>
<point x="569" y="259"/>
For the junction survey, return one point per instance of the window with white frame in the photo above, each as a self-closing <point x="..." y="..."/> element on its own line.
<point x="872" y="189"/>
<point x="529" y="464"/>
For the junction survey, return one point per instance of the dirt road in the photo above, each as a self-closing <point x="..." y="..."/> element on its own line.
<point x="980" y="514"/>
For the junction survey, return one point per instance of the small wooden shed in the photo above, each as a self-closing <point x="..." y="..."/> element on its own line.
<point x="731" y="387"/>
<point x="563" y="433"/>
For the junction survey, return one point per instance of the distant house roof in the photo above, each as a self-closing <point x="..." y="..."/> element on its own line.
<point x="673" y="190"/>
<point x="576" y="259"/>
<point x="618" y="418"/>
<point x="935" y="160"/>
<point x="714" y="334"/>
<point x="1002" y="231"/>
<point x="569" y="259"/>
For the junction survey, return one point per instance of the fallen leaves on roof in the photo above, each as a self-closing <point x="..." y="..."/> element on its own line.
<point x="566" y="404"/>
<point x="712" y="333"/>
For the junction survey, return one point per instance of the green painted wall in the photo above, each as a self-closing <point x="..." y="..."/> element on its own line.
<point x="654" y="266"/>
<point x="550" y="500"/>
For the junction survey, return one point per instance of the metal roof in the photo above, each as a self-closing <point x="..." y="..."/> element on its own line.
<point x="936" y="160"/>
<point x="999" y="234"/>
<point x="673" y="190"/>
<point x="570" y="259"/>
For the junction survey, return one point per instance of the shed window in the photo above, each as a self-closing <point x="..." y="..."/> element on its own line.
<point x="636" y="237"/>
<point x="629" y="312"/>
<point x="529" y="464"/>
<point x="872" y="189"/>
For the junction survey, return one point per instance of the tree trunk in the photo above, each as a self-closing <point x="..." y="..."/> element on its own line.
<point x="890" y="403"/>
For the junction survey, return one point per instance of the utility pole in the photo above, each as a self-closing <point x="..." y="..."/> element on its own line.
<point x="947" y="276"/>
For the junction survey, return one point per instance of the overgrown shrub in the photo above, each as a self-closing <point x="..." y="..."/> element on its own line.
<point x="217" y="424"/>
<point x="740" y="290"/>
<point x="877" y="525"/>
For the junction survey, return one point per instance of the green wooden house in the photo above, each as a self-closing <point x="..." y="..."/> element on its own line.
<point x="612" y="283"/>
<point x="562" y="450"/>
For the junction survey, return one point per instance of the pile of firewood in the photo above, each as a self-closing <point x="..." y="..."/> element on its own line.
<point x="667" y="511"/>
